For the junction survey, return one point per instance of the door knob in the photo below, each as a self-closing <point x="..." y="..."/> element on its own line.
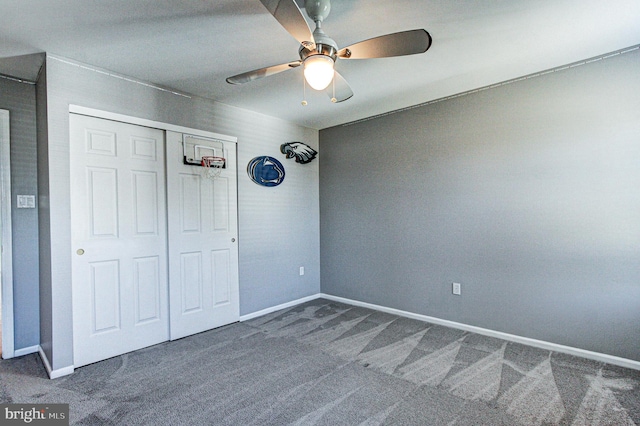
<point x="80" y="252"/>
<point x="233" y="240"/>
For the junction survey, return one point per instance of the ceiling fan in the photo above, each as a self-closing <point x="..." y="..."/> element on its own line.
<point x="318" y="52"/>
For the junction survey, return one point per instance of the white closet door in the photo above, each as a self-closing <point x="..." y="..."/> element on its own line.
<point x="203" y="251"/>
<point x="118" y="217"/>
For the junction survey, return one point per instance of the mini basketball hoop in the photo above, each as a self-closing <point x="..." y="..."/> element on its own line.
<point x="212" y="166"/>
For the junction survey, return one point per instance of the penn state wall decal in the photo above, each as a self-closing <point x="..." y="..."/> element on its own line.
<point x="266" y="171"/>
<point x="303" y="152"/>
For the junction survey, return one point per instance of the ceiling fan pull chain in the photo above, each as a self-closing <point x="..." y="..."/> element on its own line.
<point x="333" y="98"/>
<point x="304" y="92"/>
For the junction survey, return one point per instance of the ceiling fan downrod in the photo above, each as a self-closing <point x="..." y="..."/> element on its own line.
<point x="318" y="10"/>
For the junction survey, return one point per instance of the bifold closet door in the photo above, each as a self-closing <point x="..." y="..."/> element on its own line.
<point x="119" y="238"/>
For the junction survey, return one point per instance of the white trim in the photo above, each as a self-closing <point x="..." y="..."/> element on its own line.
<point x="5" y="226"/>
<point x="54" y="374"/>
<point x="77" y="109"/>
<point x="596" y="356"/>
<point x="277" y="308"/>
<point x="26" y="351"/>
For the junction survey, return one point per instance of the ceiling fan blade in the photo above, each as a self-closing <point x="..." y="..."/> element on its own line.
<point x="342" y="89"/>
<point x="396" y="44"/>
<point x="288" y="14"/>
<point x="246" y="77"/>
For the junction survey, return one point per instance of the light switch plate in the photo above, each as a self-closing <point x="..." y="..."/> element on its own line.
<point x="26" y="201"/>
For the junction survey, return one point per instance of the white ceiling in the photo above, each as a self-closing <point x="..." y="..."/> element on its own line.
<point x="193" y="45"/>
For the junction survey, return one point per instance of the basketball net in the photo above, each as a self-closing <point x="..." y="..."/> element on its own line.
<point x="212" y="167"/>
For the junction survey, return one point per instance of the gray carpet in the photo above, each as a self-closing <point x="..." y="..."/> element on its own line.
<point x="327" y="363"/>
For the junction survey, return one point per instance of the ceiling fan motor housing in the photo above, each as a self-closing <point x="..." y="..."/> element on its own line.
<point x="324" y="49"/>
<point x="324" y="45"/>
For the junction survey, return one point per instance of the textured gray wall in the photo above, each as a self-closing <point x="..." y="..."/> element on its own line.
<point x="20" y="100"/>
<point x="526" y="194"/>
<point x="278" y="227"/>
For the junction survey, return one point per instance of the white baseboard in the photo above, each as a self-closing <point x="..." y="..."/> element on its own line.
<point x="26" y="351"/>
<point x="596" y="356"/>
<point x="277" y="308"/>
<point x="53" y="374"/>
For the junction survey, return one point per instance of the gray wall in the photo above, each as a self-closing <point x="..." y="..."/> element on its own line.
<point x="527" y="194"/>
<point x="278" y="227"/>
<point x="20" y="100"/>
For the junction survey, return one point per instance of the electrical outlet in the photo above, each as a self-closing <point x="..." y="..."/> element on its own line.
<point x="302" y="270"/>
<point x="456" y="288"/>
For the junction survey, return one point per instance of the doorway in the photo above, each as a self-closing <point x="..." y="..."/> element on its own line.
<point x="154" y="253"/>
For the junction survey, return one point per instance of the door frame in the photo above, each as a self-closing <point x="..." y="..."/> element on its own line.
<point x="5" y="225"/>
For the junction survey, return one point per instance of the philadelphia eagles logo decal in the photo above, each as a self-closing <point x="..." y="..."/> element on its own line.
<point x="266" y="171"/>
<point x="303" y="153"/>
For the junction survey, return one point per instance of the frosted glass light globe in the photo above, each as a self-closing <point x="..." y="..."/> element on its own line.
<point x="318" y="71"/>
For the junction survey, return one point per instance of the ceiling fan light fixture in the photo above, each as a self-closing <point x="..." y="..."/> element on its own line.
<point x="318" y="71"/>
